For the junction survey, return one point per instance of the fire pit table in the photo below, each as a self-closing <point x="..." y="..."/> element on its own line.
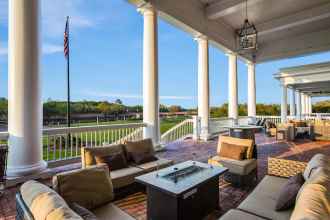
<point x="189" y="190"/>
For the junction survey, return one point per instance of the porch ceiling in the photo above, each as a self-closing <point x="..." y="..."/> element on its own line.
<point x="313" y="79"/>
<point x="286" y="27"/>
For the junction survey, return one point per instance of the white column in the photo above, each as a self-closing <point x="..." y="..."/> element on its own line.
<point x="298" y="105"/>
<point x="303" y="106"/>
<point x="284" y="104"/>
<point x="24" y="89"/>
<point x="150" y="75"/>
<point x="251" y="90"/>
<point x="293" y="103"/>
<point x="203" y="86"/>
<point x="310" y="105"/>
<point x="306" y="104"/>
<point x="232" y="87"/>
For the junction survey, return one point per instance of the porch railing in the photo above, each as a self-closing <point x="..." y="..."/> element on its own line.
<point x="179" y="131"/>
<point x="65" y="143"/>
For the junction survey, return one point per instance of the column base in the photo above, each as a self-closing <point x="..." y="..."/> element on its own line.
<point x="205" y="137"/>
<point x="18" y="171"/>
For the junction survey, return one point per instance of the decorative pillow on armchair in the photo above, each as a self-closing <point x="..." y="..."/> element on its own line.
<point x="233" y="151"/>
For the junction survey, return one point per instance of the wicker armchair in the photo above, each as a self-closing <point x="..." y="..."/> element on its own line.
<point x="285" y="168"/>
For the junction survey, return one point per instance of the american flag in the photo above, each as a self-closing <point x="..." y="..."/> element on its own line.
<point x="66" y="38"/>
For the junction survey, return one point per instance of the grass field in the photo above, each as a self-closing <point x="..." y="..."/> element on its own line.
<point x="165" y="125"/>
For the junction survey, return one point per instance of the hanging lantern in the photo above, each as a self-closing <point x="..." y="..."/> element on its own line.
<point x="247" y="35"/>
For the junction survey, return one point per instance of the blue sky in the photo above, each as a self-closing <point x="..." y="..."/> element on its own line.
<point x="106" y="57"/>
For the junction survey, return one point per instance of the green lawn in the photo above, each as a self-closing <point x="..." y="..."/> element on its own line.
<point x="165" y="125"/>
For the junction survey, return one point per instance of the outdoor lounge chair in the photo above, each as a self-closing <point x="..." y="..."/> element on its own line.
<point x="241" y="172"/>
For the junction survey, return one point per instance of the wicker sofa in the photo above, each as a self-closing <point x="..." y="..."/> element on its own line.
<point x="90" y="187"/>
<point x="321" y="130"/>
<point x="313" y="199"/>
<point x="122" y="177"/>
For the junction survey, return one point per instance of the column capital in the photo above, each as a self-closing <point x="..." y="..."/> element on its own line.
<point x="230" y="53"/>
<point x="147" y="9"/>
<point x="200" y="37"/>
<point x="249" y="63"/>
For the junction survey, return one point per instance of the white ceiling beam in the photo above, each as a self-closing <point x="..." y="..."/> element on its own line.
<point x="294" y="20"/>
<point x="222" y="8"/>
<point x="295" y="46"/>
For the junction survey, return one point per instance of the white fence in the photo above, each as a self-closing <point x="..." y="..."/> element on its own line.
<point x="179" y="131"/>
<point x="66" y="143"/>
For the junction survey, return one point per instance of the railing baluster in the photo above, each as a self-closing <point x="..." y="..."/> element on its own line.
<point x="60" y="151"/>
<point x="54" y="147"/>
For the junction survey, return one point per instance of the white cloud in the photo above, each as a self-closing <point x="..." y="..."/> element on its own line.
<point x="51" y="48"/>
<point x="134" y="96"/>
<point x="54" y="15"/>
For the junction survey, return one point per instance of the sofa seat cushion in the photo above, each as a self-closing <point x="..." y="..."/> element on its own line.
<point x="45" y="203"/>
<point x="235" y="214"/>
<point x="89" y="187"/>
<point x="240" y="167"/>
<point x="110" y="211"/>
<point x="262" y="200"/>
<point x="151" y="166"/>
<point x="125" y="177"/>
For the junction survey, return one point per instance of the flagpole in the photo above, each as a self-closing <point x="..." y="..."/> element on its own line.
<point x="68" y="79"/>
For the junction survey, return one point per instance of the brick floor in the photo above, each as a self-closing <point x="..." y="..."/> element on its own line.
<point x="230" y="197"/>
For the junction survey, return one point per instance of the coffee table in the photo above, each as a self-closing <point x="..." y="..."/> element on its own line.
<point x="188" y="190"/>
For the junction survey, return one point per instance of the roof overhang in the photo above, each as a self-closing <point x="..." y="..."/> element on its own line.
<point x="313" y="79"/>
<point x="286" y="29"/>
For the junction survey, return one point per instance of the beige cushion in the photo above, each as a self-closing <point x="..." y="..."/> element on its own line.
<point x="44" y="203"/>
<point x="233" y="151"/>
<point x="237" y="141"/>
<point x="109" y="212"/>
<point x="313" y="199"/>
<point x="151" y="166"/>
<point x="318" y="160"/>
<point x="89" y="187"/>
<point x="125" y="177"/>
<point x="88" y="153"/>
<point x="240" y="167"/>
<point x="235" y="214"/>
<point x="141" y="146"/>
<point x="262" y="200"/>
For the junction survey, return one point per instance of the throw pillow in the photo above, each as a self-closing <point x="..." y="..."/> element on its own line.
<point x="144" y="157"/>
<point x="233" y="151"/>
<point x="114" y="161"/>
<point x="83" y="212"/>
<point x="289" y="191"/>
<point x="90" y="187"/>
<point x="142" y="146"/>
